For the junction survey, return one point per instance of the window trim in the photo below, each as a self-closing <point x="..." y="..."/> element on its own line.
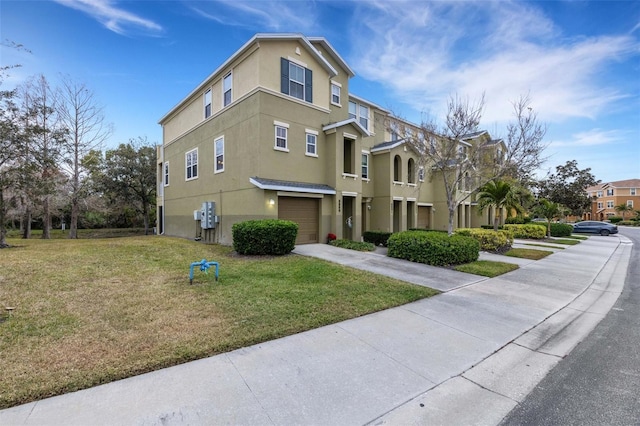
<point x="364" y="175"/>
<point x="207" y="103"/>
<point x="630" y="203"/>
<point x="285" y="80"/>
<point x="600" y="205"/>
<point x="339" y="87"/>
<point x="309" y="132"/>
<point x="285" y="126"/>
<point x="609" y="204"/>
<point x="632" y="191"/>
<point x="230" y="90"/>
<point x="186" y="166"/>
<point x="599" y="194"/>
<point x="215" y="155"/>
<point x="421" y="173"/>
<point x="165" y="173"/>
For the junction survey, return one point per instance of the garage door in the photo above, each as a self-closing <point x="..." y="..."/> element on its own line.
<point x="303" y="211"/>
<point x="423" y="217"/>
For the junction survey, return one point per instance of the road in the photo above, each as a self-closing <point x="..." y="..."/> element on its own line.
<point x="598" y="383"/>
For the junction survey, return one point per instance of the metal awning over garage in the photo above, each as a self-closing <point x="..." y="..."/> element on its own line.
<point x="285" y="185"/>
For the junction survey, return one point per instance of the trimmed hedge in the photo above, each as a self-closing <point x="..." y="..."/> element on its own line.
<point x="614" y="219"/>
<point x="433" y="248"/>
<point x="377" y="238"/>
<point x="528" y="231"/>
<point x="266" y="236"/>
<point x="629" y="223"/>
<point x="561" y="230"/>
<point x="353" y="245"/>
<point x="489" y="240"/>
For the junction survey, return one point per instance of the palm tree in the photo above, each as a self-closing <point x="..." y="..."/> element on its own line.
<point x="623" y="208"/>
<point x="499" y="194"/>
<point x="549" y="210"/>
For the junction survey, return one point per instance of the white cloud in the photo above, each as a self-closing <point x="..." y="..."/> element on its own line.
<point x="113" y="18"/>
<point x="426" y="51"/>
<point x="591" y="137"/>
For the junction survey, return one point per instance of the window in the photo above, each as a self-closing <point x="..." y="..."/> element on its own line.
<point x="411" y="171"/>
<point x="335" y="94"/>
<point x="311" y="143"/>
<point x="166" y="174"/>
<point x="610" y="192"/>
<point x="421" y="174"/>
<point x="219" y="153"/>
<point x="630" y="203"/>
<point x="600" y="205"/>
<point x="296" y="80"/>
<point x="632" y="191"/>
<point x="360" y="113"/>
<point x="281" y="136"/>
<point x="395" y="133"/>
<point x="191" y="159"/>
<point x="609" y="204"/>
<point x="226" y="88"/>
<point x="599" y="194"/>
<point x="365" y="166"/>
<point x="207" y="104"/>
<point x="353" y="110"/>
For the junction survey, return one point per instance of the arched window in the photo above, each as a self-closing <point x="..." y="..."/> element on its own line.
<point x="397" y="172"/>
<point x="411" y="171"/>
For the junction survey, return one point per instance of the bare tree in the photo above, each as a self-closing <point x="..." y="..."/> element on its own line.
<point x="86" y="130"/>
<point x="456" y="154"/>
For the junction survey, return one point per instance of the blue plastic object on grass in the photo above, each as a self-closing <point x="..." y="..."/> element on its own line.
<point x="204" y="267"/>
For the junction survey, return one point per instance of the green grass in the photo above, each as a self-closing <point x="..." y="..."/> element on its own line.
<point x="577" y="237"/>
<point x="566" y="241"/>
<point x="353" y="245"/>
<point x="486" y="268"/>
<point x="82" y="233"/>
<point x="544" y="245"/>
<point x="531" y="254"/>
<point x="93" y="311"/>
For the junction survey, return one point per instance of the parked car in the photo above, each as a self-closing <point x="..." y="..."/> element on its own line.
<point x="595" y="227"/>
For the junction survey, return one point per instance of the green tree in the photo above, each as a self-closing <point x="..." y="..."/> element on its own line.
<point x="567" y="186"/>
<point x="499" y="194"/>
<point x="549" y="210"/>
<point x="623" y="208"/>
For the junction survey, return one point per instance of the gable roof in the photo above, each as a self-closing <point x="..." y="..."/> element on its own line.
<point x="356" y="124"/>
<point x="628" y="183"/>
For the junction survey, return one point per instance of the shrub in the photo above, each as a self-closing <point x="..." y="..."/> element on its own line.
<point x="489" y="240"/>
<point x="561" y="230"/>
<point x="629" y="223"/>
<point x="266" y="236"/>
<point x="515" y="220"/>
<point x="614" y="219"/>
<point x="433" y="248"/>
<point x="353" y="245"/>
<point x="528" y="231"/>
<point x="377" y="238"/>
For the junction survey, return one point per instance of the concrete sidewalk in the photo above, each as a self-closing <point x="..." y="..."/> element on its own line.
<point x="466" y="356"/>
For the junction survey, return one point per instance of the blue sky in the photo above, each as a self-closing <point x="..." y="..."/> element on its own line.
<point x="579" y="61"/>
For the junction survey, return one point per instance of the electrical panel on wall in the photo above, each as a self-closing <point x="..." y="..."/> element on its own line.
<point x="208" y="217"/>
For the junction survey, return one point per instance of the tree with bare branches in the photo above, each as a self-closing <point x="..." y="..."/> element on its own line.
<point x="86" y="130"/>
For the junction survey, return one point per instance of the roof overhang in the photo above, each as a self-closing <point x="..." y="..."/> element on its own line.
<point x="289" y="186"/>
<point x="353" y="121"/>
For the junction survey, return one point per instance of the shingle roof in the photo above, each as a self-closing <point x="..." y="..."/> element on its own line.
<point x="628" y="183"/>
<point x="387" y="145"/>
<point x="285" y="185"/>
<point x="473" y="135"/>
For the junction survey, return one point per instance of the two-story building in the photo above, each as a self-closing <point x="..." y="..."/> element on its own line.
<point x="274" y="132"/>
<point x="607" y="196"/>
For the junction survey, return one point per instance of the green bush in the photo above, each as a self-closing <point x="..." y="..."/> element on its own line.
<point x="515" y="220"/>
<point x="561" y="230"/>
<point x="377" y="238"/>
<point x="266" y="236"/>
<point x="614" y="219"/>
<point x="489" y="240"/>
<point x="433" y="248"/>
<point x="528" y="231"/>
<point x="353" y="245"/>
<point x="629" y="223"/>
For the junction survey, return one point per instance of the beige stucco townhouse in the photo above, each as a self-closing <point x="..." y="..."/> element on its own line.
<point x="274" y="132"/>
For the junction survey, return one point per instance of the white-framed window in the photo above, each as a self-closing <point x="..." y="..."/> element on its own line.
<point x="311" y="143"/>
<point x="335" y="93"/>
<point x="599" y="194"/>
<point x="600" y="204"/>
<point x="630" y="203"/>
<point x="395" y="131"/>
<point x="281" y="131"/>
<point x="227" y="84"/>
<point x="359" y="112"/>
<point x="165" y="172"/>
<point x="421" y="174"/>
<point x="632" y="191"/>
<point x="218" y="146"/>
<point x="609" y="204"/>
<point x="365" y="165"/>
<point x="207" y="104"/>
<point x="191" y="164"/>
<point x="610" y="192"/>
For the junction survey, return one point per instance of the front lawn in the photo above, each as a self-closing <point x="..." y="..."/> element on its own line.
<point x="93" y="311"/>
<point x="486" y="268"/>
<point x="531" y="254"/>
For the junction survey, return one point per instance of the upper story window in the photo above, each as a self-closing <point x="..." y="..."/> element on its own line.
<point x="600" y="204"/>
<point x="207" y="104"/>
<point x="632" y="191"/>
<point x="411" y="171"/>
<point x="630" y="203"/>
<point x="421" y="174"/>
<point x="191" y="160"/>
<point x="335" y="93"/>
<point x="395" y="132"/>
<point x="296" y="80"/>
<point x="165" y="179"/>
<point x="311" y="143"/>
<point x="219" y="153"/>
<point x="599" y="194"/>
<point x="227" y="83"/>
<point x="360" y="113"/>
<point x="610" y="191"/>
<point x="365" y="165"/>
<point x="609" y="204"/>
<point x="281" y="130"/>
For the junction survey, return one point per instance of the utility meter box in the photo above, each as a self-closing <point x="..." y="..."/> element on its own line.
<point x="208" y="215"/>
<point x="197" y="215"/>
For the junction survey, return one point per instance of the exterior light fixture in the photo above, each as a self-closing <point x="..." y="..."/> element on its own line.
<point x="272" y="201"/>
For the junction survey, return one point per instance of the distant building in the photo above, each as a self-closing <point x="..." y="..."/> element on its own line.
<point x="607" y="196"/>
